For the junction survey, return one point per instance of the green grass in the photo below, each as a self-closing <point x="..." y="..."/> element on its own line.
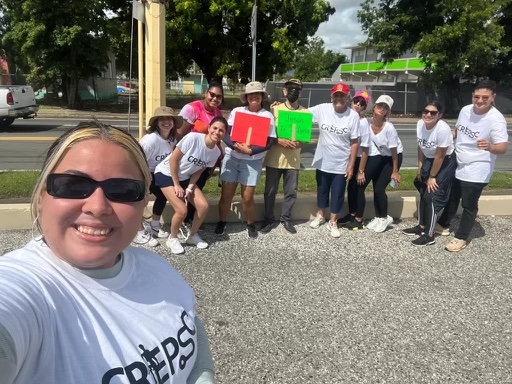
<point x="19" y="184"/>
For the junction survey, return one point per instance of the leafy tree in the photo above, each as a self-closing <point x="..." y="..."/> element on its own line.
<point x="216" y="34"/>
<point x="455" y="38"/>
<point x="312" y="62"/>
<point x="57" y="40"/>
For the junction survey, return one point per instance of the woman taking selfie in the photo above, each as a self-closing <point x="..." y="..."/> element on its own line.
<point x="77" y="304"/>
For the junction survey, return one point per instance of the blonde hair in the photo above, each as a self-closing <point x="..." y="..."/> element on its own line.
<point x="83" y="132"/>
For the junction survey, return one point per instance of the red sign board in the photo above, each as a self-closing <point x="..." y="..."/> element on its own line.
<point x="250" y="129"/>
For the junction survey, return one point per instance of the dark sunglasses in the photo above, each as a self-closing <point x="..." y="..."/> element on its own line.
<point x="359" y="102"/>
<point x="213" y="95"/>
<point x="427" y="112"/>
<point x="68" y="186"/>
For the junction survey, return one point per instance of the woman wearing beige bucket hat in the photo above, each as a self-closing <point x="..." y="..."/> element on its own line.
<point x="242" y="163"/>
<point x="160" y="140"/>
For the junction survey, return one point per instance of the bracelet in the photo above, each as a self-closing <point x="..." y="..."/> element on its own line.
<point x="432" y="176"/>
<point x="360" y="171"/>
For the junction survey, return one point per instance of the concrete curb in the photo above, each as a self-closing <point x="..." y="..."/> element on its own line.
<point x="17" y="216"/>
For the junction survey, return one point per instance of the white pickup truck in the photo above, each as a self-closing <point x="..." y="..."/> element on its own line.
<point x="16" y="101"/>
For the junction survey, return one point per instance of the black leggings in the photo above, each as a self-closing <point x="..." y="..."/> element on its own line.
<point x="160" y="199"/>
<point x="378" y="170"/>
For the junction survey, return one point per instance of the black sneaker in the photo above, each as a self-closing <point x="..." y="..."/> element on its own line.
<point x="219" y="228"/>
<point x="424" y="240"/>
<point x="348" y="218"/>
<point x="354" y="225"/>
<point x="251" y="231"/>
<point x="414" y="231"/>
<point x="266" y="226"/>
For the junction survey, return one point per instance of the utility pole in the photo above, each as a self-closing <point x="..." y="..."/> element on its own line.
<point x="254" y="27"/>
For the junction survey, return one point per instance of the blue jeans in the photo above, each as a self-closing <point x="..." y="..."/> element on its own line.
<point x="332" y="184"/>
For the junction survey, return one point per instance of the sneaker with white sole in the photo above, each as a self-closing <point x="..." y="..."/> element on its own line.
<point x="383" y="224"/>
<point x="373" y="223"/>
<point x="317" y="222"/>
<point x="333" y="229"/>
<point x="159" y="232"/>
<point x="197" y="241"/>
<point x="456" y="245"/>
<point x="424" y="240"/>
<point x="438" y="230"/>
<point x="145" y="238"/>
<point x="174" y="244"/>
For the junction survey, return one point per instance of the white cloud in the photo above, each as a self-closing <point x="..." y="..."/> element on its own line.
<point x="342" y="30"/>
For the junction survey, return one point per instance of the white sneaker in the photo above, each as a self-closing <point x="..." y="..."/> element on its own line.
<point x="174" y="244"/>
<point x="197" y="241"/>
<point x="185" y="230"/>
<point x="159" y="232"/>
<point x="384" y="223"/>
<point x="333" y="229"/>
<point x="373" y="223"/>
<point x="317" y="222"/>
<point x="145" y="238"/>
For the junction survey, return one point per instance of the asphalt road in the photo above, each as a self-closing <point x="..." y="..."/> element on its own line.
<point x="24" y="144"/>
<point x="365" y="308"/>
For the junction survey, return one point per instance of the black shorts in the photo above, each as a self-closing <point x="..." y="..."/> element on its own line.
<point x="163" y="181"/>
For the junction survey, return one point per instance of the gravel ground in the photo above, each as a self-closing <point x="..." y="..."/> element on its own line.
<point x="365" y="308"/>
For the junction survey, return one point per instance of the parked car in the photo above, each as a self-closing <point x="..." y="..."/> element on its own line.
<point x="16" y="101"/>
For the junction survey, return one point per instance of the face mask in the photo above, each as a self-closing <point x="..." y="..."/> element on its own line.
<point x="292" y="95"/>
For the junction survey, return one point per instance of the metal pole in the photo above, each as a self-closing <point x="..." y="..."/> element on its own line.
<point x="254" y="28"/>
<point x="140" y="44"/>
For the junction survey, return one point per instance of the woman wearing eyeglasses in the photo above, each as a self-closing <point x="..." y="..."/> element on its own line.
<point x="177" y="176"/>
<point x="436" y="171"/>
<point x="359" y="103"/>
<point x="80" y="287"/>
<point x="197" y="117"/>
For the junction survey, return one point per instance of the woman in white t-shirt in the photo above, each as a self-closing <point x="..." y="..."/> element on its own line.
<point x="177" y="176"/>
<point x="158" y="143"/>
<point x="81" y="287"/>
<point x="436" y="171"/>
<point x="384" y="160"/>
<point x="242" y="163"/>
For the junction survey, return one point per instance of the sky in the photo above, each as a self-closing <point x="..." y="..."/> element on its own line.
<point x="342" y="29"/>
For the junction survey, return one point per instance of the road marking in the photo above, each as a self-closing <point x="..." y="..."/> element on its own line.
<point x="29" y="138"/>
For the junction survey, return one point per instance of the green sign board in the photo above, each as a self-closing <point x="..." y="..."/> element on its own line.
<point x="293" y="125"/>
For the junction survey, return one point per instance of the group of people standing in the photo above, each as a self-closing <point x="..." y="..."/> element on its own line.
<point x="353" y="151"/>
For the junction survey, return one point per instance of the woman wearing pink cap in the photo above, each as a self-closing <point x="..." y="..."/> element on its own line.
<point x="359" y="103"/>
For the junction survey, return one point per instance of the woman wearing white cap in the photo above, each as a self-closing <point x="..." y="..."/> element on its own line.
<point x="242" y="163"/>
<point x="384" y="160"/>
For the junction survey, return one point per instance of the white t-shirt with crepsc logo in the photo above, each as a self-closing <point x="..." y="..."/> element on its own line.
<point x="337" y="130"/>
<point x="138" y="326"/>
<point x="473" y="164"/>
<point x="196" y="156"/>
<point x="156" y="148"/>
<point x="440" y="136"/>
<point x="382" y="142"/>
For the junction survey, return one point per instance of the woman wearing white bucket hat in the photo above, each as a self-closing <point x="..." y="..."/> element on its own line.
<point x="242" y="163"/>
